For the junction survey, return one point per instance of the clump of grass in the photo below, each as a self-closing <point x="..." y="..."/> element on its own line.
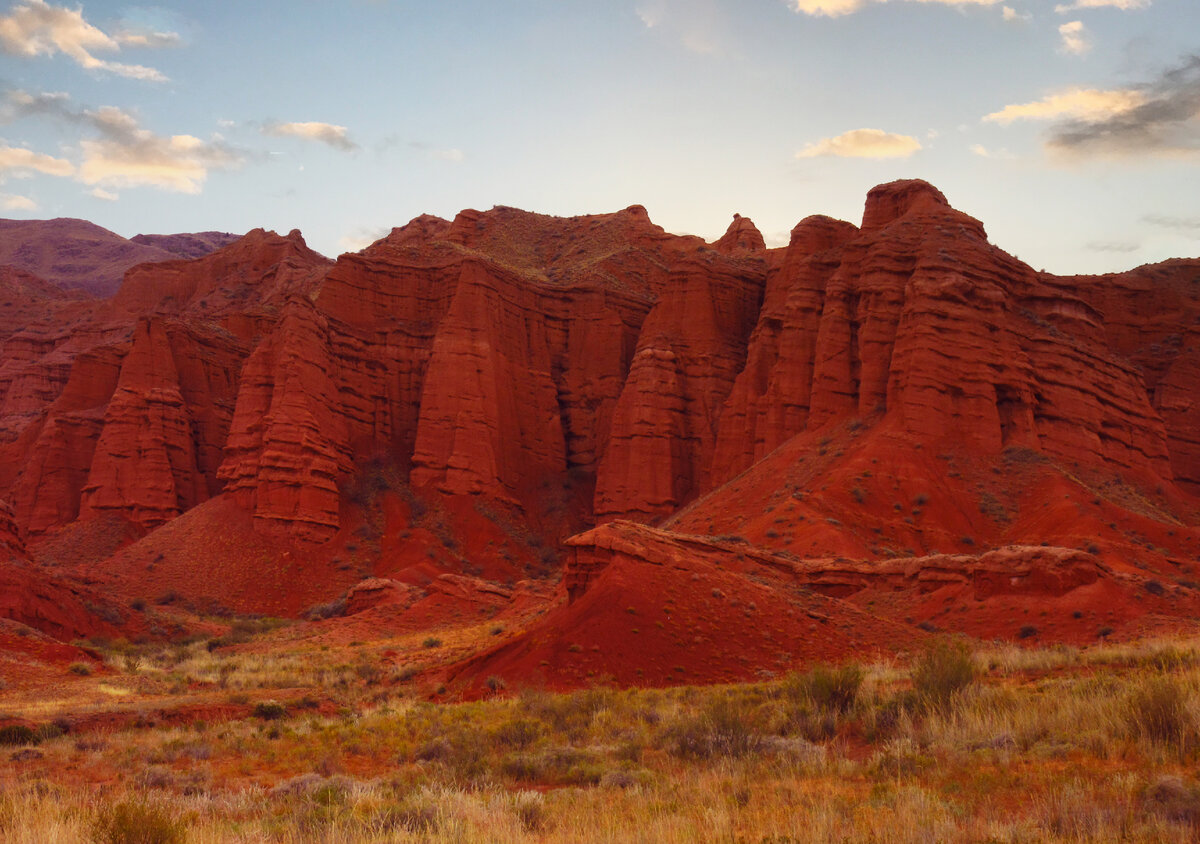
<point x="724" y="726"/>
<point x="943" y="670"/>
<point x="15" y="735"/>
<point x="1158" y="710"/>
<point x="831" y="690"/>
<point x="135" y="822"/>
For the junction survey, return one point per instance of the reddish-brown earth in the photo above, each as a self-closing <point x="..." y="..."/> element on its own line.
<point x="874" y="432"/>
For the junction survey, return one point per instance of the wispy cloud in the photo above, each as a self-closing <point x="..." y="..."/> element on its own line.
<point x="123" y="154"/>
<point x="1013" y="16"/>
<point x="326" y="133"/>
<point x="1124" y="5"/>
<point x="36" y="28"/>
<point x="836" y="8"/>
<point x="451" y="154"/>
<point x="18" y="161"/>
<point x="106" y="195"/>
<point x="863" y="143"/>
<point x="696" y="23"/>
<point x="983" y="152"/>
<point x="13" y="202"/>
<point x="1085" y="103"/>
<point x="1185" y="225"/>
<point x="1076" y="39"/>
<point x="1165" y="122"/>
<point x="1122" y="246"/>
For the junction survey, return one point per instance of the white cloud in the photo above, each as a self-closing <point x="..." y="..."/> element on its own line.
<point x="453" y="155"/>
<point x="984" y="152"/>
<point x="127" y="155"/>
<point x="106" y="195"/>
<point x="120" y="153"/>
<point x="829" y="8"/>
<point x="18" y="161"/>
<point x="178" y="163"/>
<point x="1086" y="103"/>
<point x="35" y="28"/>
<point x="1013" y="16"/>
<point x="1123" y="5"/>
<point x="1075" y="38"/>
<point x="836" y="8"/>
<point x="325" y="133"/>
<point x="863" y="143"/>
<point x="12" y="202"/>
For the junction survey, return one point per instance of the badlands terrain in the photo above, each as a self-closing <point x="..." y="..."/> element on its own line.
<point x="517" y="527"/>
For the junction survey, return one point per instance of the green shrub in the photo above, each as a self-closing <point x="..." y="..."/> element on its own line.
<point x="945" y="667"/>
<point x="132" y="822"/>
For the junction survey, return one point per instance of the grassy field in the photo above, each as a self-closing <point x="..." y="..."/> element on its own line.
<point x="1001" y="744"/>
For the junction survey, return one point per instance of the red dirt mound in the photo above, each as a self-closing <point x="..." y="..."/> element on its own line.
<point x="641" y="606"/>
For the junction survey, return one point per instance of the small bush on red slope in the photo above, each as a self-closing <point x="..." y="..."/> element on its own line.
<point x="944" y="669"/>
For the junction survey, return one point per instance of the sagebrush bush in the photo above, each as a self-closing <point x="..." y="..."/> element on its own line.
<point x="945" y="667"/>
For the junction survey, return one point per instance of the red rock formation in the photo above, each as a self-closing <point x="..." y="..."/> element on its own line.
<point x="527" y="376"/>
<point x="689" y="353"/>
<point x="1151" y="317"/>
<point x="288" y="443"/>
<point x="918" y="316"/>
<point x="10" y="534"/>
<point x="258" y="268"/>
<point x="741" y="236"/>
<point x="165" y="426"/>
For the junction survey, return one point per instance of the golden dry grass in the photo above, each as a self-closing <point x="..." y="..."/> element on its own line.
<point x="1052" y="745"/>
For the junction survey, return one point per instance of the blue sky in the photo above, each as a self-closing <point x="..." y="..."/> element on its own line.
<point x="1072" y="128"/>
